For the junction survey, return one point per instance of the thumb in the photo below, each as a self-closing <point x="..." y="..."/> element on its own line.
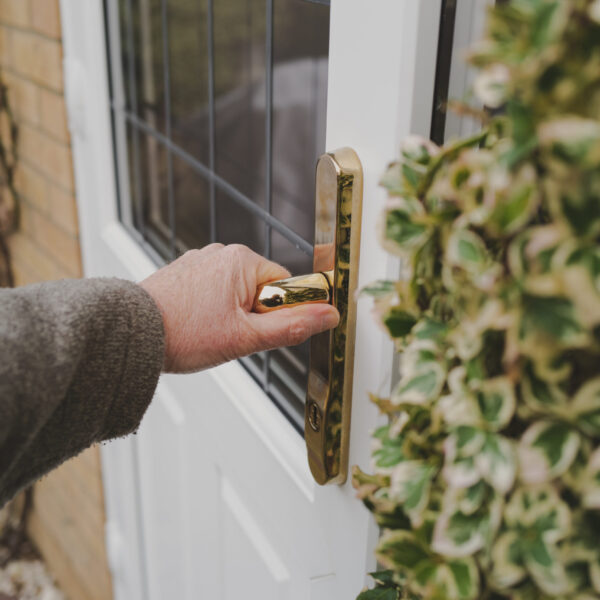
<point x="292" y="326"/>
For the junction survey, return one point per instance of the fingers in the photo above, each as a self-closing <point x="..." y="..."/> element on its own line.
<point x="267" y="270"/>
<point x="264" y="270"/>
<point x="291" y="326"/>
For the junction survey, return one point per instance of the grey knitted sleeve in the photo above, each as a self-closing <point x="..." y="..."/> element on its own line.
<point x="79" y="362"/>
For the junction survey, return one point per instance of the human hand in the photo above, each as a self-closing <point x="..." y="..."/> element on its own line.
<point x="205" y="298"/>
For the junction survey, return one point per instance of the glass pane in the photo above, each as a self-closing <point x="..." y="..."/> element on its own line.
<point x="192" y="206"/>
<point x="288" y="379"/>
<point x="154" y="193"/>
<point x="289" y="366"/>
<point x="260" y="63"/>
<point x="188" y="71"/>
<point x="300" y="50"/>
<point x="236" y="225"/>
<point x="135" y="185"/>
<point x="149" y="63"/>
<point x="240" y="95"/>
<point x="120" y="72"/>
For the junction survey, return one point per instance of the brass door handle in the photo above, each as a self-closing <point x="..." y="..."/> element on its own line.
<point x="335" y="263"/>
<point x="304" y="289"/>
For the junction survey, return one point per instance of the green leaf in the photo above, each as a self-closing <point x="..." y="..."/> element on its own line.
<point x="400" y="549"/>
<point x="410" y="482"/>
<point x="586" y="407"/>
<point x="540" y="395"/>
<point x="544" y="565"/>
<point x="379" y="594"/>
<point x="454" y="580"/>
<point x="538" y="511"/>
<point x="420" y="384"/>
<point x="496" y="398"/>
<point x="457" y="535"/>
<point x="466" y="250"/>
<point x="496" y="462"/>
<point x="401" y="228"/>
<point x="513" y="212"/>
<point x="591" y="482"/>
<point x="553" y="316"/>
<point x="430" y="329"/>
<point x="466" y="577"/>
<point x="390" y="453"/>
<point x="469" y="440"/>
<point x="398" y="322"/>
<point x="547" y="449"/>
<point x="508" y="568"/>
<point x="460" y="448"/>
<point x="383" y="577"/>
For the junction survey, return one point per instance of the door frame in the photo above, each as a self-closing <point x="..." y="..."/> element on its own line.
<point x="387" y="93"/>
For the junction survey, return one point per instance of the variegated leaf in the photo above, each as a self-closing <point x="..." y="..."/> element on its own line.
<point x="400" y="550"/>
<point x="457" y="535"/>
<point x="507" y="561"/>
<point x="540" y="510"/>
<point x="491" y="85"/>
<point x="460" y="448"/>
<point x="542" y="562"/>
<point x="542" y="396"/>
<point x="465" y="500"/>
<point x="551" y="318"/>
<point x="496" y="462"/>
<point x="404" y="226"/>
<point x="496" y="398"/>
<point x="420" y="385"/>
<point x="591" y="482"/>
<point x="467" y="251"/>
<point x="459" y="409"/>
<point x="455" y="580"/>
<point x="516" y="207"/>
<point x="546" y="450"/>
<point x="586" y="407"/>
<point x="410" y="483"/>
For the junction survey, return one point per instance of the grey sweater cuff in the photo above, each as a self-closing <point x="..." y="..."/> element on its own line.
<point x="80" y="360"/>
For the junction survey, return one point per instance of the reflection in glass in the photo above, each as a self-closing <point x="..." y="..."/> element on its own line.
<point x="188" y="70"/>
<point x="192" y="207"/>
<point x="300" y="50"/>
<point x="240" y="95"/>
<point x="235" y="225"/>
<point x="149" y="91"/>
<point x="153" y="189"/>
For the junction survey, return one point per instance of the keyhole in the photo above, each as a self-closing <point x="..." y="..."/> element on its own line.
<point x="314" y="416"/>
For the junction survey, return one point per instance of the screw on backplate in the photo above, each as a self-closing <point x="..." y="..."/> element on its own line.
<point x="314" y="416"/>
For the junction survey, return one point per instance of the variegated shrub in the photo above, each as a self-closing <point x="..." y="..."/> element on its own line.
<point x="486" y="479"/>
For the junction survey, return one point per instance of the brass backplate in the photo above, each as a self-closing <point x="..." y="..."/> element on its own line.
<point x="339" y="187"/>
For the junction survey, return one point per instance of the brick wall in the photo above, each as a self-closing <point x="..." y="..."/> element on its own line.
<point x="68" y="517"/>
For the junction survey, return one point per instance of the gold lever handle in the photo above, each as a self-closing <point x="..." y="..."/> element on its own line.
<point x="335" y="265"/>
<point x="305" y="289"/>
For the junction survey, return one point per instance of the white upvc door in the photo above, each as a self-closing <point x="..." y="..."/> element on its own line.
<point x="213" y="498"/>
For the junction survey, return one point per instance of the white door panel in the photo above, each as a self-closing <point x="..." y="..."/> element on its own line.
<point x="213" y="499"/>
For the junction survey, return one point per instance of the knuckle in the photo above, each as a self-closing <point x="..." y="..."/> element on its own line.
<point x="238" y="249"/>
<point x="214" y="246"/>
<point x="191" y="255"/>
<point x="298" y="331"/>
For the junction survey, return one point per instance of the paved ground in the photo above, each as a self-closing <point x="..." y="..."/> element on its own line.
<point x="23" y="575"/>
<point x="27" y="580"/>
